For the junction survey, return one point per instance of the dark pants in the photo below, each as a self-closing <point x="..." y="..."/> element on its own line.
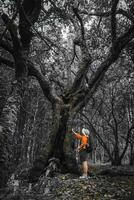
<point x="83" y="155"/>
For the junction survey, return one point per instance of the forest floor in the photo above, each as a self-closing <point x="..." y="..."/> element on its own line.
<point x="71" y="187"/>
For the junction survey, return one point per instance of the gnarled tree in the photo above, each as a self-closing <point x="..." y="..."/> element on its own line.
<point x="73" y="98"/>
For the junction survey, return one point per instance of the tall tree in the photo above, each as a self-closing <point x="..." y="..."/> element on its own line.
<point x="19" y="48"/>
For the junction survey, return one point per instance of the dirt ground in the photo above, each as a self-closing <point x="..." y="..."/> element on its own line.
<point x="111" y="186"/>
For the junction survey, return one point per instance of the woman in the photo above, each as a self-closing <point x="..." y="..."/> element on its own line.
<point x="82" y="150"/>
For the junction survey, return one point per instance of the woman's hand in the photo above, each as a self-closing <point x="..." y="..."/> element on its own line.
<point x="73" y="131"/>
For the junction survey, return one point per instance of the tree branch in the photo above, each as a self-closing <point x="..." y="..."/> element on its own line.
<point x="113" y="20"/>
<point x="83" y="69"/>
<point x="44" y="83"/>
<point x="127" y="141"/>
<point x="75" y="10"/>
<point x="25" y="28"/>
<point x="29" y="10"/>
<point x="84" y="64"/>
<point x="10" y="22"/>
<point x="43" y="80"/>
<point x="13" y="31"/>
<point x="112" y="56"/>
<point x="127" y="14"/>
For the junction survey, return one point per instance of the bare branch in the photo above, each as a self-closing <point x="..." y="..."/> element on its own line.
<point x="12" y="27"/>
<point x="127" y="14"/>
<point x="113" y="20"/>
<point x="25" y="32"/>
<point x="10" y="22"/>
<point x="47" y="13"/>
<point x="84" y="67"/>
<point x="85" y="59"/>
<point x="44" y="83"/>
<point x="28" y="11"/>
<point x="112" y="56"/>
<point x="127" y="140"/>
<point x="75" y="10"/>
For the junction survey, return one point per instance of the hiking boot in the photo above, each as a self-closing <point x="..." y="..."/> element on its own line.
<point x="83" y="176"/>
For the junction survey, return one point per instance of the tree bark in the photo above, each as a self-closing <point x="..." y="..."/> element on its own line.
<point x="60" y="119"/>
<point x="29" y="12"/>
<point x="53" y="156"/>
<point x="8" y="123"/>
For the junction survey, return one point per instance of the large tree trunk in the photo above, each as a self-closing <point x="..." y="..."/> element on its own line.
<point x="8" y="122"/>
<point x="116" y="162"/>
<point x="28" y="14"/>
<point x="60" y="118"/>
<point x="116" y="157"/>
<point x="53" y="156"/>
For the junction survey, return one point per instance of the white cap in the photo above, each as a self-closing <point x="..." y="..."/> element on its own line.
<point x="85" y="131"/>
